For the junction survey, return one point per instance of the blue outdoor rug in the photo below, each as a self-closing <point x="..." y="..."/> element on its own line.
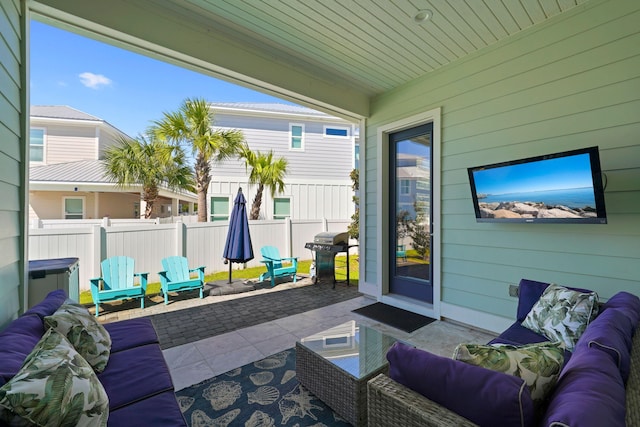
<point x="263" y="393"/>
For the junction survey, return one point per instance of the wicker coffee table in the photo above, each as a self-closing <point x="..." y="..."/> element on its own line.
<point x="336" y="364"/>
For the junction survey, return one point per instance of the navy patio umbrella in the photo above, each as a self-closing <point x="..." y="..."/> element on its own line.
<point x="238" y="247"/>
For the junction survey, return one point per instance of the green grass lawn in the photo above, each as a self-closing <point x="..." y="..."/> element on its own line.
<point x="255" y="272"/>
<point x="415" y="258"/>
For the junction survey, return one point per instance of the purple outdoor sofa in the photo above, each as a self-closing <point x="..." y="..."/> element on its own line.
<point x="136" y="378"/>
<point x="598" y="383"/>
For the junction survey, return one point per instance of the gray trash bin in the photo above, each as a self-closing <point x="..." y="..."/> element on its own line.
<point x="46" y="275"/>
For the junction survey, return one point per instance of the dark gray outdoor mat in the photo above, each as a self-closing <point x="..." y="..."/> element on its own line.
<point x="396" y="317"/>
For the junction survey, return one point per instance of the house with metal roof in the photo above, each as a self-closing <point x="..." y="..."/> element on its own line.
<point x="67" y="178"/>
<point x="321" y="151"/>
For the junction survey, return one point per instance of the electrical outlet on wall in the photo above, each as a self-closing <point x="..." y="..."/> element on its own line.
<point x="513" y="290"/>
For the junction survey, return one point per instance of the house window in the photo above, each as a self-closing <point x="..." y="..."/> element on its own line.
<point x="219" y="209"/>
<point x="422" y="184"/>
<point x="404" y="186"/>
<point x="36" y="145"/>
<point x="336" y="132"/>
<point x="281" y="208"/>
<point x="297" y="136"/>
<point x="73" y="208"/>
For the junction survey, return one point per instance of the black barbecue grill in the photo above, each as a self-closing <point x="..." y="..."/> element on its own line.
<point x="326" y="245"/>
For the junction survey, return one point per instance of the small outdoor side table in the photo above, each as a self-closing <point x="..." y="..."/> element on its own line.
<point x="336" y="364"/>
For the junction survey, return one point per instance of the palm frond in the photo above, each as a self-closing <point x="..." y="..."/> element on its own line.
<point x="151" y="163"/>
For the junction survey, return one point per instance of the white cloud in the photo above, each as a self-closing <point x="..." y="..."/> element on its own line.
<point x="94" y="81"/>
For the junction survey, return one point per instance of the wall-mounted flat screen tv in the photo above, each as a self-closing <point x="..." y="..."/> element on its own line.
<point x="562" y="187"/>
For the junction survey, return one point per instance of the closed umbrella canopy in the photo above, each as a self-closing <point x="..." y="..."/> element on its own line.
<point x="238" y="247"/>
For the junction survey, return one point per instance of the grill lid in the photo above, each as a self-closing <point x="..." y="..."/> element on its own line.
<point x="332" y="238"/>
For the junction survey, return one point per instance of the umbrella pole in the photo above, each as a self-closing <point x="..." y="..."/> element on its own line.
<point x="230" y="272"/>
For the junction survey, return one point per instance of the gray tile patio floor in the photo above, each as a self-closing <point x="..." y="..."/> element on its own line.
<point x="205" y="337"/>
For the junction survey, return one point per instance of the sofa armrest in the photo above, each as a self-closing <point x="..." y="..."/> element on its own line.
<point x="391" y="403"/>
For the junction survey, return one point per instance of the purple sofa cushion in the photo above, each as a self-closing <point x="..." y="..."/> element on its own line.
<point x="611" y="332"/>
<point x="135" y="374"/>
<point x="628" y="303"/>
<point x="16" y="342"/>
<point x="529" y="292"/>
<point x="516" y="333"/>
<point x="478" y="394"/>
<point x="131" y="333"/>
<point x="160" y="410"/>
<point x="589" y="392"/>
<point x="49" y="304"/>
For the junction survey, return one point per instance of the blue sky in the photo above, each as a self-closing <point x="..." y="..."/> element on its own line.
<point x="552" y="174"/>
<point x="126" y="89"/>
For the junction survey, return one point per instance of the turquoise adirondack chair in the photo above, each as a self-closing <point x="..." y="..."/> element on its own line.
<point x="401" y="252"/>
<point x="176" y="277"/>
<point x="273" y="261"/>
<point x="118" y="282"/>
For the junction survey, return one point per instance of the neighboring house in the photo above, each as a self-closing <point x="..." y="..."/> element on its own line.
<point x="320" y="150"/>
<point x="66" y="177"/>
<point x="413" y="183"/>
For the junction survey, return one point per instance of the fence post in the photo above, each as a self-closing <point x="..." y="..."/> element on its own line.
<point x="106" y="222"/>
<point x="325" y="225"/>
<point x="287" y="236"/>
<point x="181" y="241"/>
<point x="96" y="255"/>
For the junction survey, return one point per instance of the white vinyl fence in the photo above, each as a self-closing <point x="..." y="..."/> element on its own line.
<point x="108" y="222"/>
<point x="148" y="243"/>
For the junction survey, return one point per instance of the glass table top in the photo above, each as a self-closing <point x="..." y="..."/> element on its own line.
<point x="356" y="349"/>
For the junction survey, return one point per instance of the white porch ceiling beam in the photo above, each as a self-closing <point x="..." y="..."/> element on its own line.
<point x="149" y="28"/>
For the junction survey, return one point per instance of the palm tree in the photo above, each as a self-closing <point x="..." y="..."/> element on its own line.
<point x="192" y="125"/>
<point x="266" y="173"/>
<point x="150" y="163"/>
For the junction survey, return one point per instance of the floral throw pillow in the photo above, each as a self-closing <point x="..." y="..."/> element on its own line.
<point x="84" y="332"/>
<point x="562" y="314"/>
<point x="537" y="364"/>
<point x="54" y="387"/>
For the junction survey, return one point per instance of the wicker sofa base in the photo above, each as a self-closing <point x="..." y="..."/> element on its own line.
<point x="391" y="403"/>
<point x="342" y="392"/>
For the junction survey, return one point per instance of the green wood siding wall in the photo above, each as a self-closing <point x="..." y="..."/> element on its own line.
<point x="12" y="187"/>
<point x="569" y="83"/>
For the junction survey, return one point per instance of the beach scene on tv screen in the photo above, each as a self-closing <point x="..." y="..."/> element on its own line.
<point x="551" y="188"/>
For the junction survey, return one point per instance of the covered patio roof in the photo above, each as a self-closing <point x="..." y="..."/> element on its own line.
<point x="330" y="55"/>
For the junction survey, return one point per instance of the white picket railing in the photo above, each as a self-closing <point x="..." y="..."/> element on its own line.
<point x="148" y="243"/>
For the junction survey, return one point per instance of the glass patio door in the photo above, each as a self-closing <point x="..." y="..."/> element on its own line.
<point x="410" y="215"/>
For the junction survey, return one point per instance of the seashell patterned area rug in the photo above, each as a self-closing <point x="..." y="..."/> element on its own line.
<point x="260" y="394"/>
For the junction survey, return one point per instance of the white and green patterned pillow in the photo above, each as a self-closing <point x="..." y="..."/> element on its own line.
<point x="537" y="364"/>
<point x="562" y="314"/>
<point x="84" y="332"/>
<point x="54" y="387"/>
